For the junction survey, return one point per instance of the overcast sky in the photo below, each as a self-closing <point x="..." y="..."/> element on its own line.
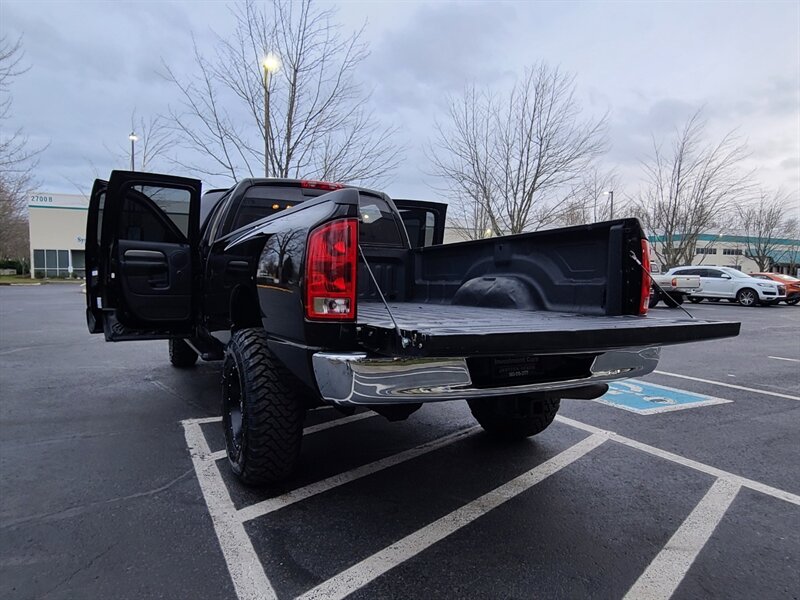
<point x="649" y="65"/>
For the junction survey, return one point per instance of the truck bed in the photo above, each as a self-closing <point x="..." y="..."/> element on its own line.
<point x="452" y="330"/>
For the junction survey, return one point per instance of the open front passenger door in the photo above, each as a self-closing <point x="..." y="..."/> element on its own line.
<point x="141" y="259"/>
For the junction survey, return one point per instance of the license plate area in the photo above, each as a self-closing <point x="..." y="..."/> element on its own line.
<point x="501" y="371"/>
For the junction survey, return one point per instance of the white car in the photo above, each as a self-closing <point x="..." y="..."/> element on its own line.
<point x="733" y="285"/>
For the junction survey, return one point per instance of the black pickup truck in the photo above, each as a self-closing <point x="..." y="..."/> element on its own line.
<point x="315" y="293"/>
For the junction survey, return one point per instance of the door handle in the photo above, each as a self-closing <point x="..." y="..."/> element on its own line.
<point x="145" y="255"/>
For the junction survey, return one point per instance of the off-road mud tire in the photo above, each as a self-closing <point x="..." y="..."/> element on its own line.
<point x="266" y="446"/>
<point x="181" y="354"/>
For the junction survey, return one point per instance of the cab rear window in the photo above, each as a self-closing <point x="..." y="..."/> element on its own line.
<point x="378" y="222"/>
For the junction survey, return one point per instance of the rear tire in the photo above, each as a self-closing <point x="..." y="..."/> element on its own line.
<point x="261" y="411"/>
<point x="653" y="302"/>
<point x="514" y="417"/>
<point x="695" y="299"/>
<point x="181" y="354"/>
<point x="747" y="297"/>
<point x="674" y="300"/>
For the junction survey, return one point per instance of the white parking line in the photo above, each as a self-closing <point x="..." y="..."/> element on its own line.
<point x="272" y="504"/>
<point x="783" y="358"/>
<point x="666" y="571"/>
<point x="337" y="422"/>
<point x="247" y="573"/>
<point x="367" y="570"/>
<point x="687" y="462"/>
<point x="729" y="385"/>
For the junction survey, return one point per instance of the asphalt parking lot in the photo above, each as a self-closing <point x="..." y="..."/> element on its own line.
<point x="113" y="483"/>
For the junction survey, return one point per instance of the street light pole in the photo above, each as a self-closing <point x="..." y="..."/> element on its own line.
<point x="132" y="137"/>
<point x="610" y="195"/>
<point x="271" y="64"/>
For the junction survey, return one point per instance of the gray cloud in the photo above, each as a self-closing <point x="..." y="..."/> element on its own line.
<point x="649" y="66"/>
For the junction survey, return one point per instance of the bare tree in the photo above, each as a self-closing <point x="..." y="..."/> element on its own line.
<point x="17" y="160"/>
<point x="309" y="119"/>
<point x="588" y="200"/>
<point x="764" y="224"/>
<point x="791" y="252"/>
<point x="689" y="187"/>
<point x="506" y="162"/>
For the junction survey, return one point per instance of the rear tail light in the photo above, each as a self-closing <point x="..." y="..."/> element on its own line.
<point x="320" y="185"/>
<point x="645" y="299"/>
<point x="674" y="282"/>
<point x="331" y="271"/>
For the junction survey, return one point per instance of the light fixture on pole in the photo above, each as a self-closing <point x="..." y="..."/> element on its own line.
<point x="271" y="64"/>
<point x="610" y="195"/>
<point x="132" y="137"/>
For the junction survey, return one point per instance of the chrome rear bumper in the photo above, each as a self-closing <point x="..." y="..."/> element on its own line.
<point x="353" y="378"/>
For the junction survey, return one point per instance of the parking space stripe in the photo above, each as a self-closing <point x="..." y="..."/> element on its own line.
<point x="687" y="462"/>
<point x="783" y="358"/>
<point x="359" y="575"/>
<point x="247" y="574"/>
<point x="272" y="504"/>
<point x="202" y="420"/>
<point x="666" y="571"/>
<point x="729" y="385"/>
<point x="337" y="422"/>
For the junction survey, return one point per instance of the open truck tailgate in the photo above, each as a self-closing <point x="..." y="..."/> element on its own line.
<point x="452" y="330"/>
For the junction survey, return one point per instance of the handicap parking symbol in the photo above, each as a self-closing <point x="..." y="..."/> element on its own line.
<point x="649" y="398"/>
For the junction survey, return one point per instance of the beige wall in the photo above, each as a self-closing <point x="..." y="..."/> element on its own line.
<point x="57" y="228"/>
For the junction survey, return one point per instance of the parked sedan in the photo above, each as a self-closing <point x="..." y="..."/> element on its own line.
<point x="792" y="284"/>
<point x="733" y="285"/>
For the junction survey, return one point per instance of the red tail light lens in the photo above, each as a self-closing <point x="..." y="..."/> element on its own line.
<point x="645" y="300"/>
<point x="331" y="266"/>
<point x="320" y="185"/>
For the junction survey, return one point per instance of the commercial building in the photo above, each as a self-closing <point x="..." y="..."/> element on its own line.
<point x="58" y="234"/>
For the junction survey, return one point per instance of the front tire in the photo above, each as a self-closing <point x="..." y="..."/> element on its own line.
<point x="181" y="354"/>
<point x="514" y="417"/>
<point x="793" y="301"/>
<point x="261" y="411"/>
<point x="747" y="297"/>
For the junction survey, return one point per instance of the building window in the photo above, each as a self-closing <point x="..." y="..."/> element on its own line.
<point x="78" y="263"/>
<point x="706" y="251"/>
<point x="51" y="263"/>
<point x="731" y="252"/>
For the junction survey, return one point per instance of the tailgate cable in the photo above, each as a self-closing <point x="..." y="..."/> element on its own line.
<point x="404" y="341"/>
<point x="655" y="283"/>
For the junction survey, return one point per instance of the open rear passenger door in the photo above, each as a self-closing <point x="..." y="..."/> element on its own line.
<point x="424" y="221"/>
<point x="142" y="236"/>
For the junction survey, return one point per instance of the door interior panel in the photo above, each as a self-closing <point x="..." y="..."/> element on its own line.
<point x="156" y="279"/>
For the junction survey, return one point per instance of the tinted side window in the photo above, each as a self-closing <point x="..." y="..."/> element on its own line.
<point x="420" y="225"/>
<point x="713" y="273"/>
<point x="155" y="214"/>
